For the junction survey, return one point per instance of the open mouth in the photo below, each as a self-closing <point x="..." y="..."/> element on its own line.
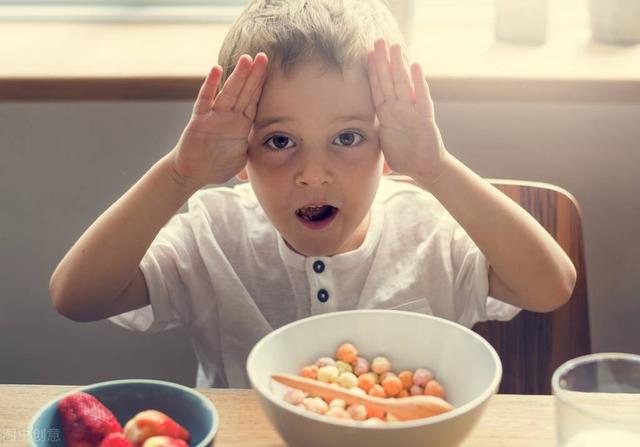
<point x="316" y="213"/>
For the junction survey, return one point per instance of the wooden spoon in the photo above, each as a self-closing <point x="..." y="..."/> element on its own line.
<point x="405" y="408"/>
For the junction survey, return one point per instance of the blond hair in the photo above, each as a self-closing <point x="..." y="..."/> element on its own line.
<point x="337" y="32"/>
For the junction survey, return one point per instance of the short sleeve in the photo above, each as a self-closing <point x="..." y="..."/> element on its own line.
<point x="471" y="283"/>
<point x="166" y="269"/>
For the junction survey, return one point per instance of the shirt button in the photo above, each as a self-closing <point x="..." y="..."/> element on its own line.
<point x="323" y="295"/>
<point x="318" y="266"/>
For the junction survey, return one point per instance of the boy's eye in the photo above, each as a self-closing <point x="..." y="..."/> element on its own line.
<point x="278" y="142"/>
<point x="348" y="139"/>
<point x="281" y="142"/>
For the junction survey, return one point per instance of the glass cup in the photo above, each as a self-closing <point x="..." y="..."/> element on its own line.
<point x="597" y="400"/>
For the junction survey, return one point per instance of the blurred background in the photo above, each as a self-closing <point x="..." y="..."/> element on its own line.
<point x="93" y="92"/>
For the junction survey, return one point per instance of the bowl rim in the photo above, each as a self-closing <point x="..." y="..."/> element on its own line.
<point x="86" y="388"/>
<point x="475" y="402"/>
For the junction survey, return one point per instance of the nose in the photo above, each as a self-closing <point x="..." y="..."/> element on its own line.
<point x="314" y="168"/>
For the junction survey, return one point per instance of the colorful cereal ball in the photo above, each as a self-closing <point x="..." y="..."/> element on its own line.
<point x="434" y="388"/>
<point x="316" y="405"/>
<point x="358" y="412"/>
<point x="375" y="412"/>
<point x="344" y="366"/>
<point x="367" y="380"/>
<point x="309" y="371"/>
<point x="380" y="365"/>
<point x="391" y="418"/>
<point x="403" y="393"/>
<point x="328" y="374"/>
<point x="325" y="361"/>
<point x="416" y="390"/>
<point x="348" y="380"/>
<point x="421" y="376"/>
<point x="377" y="391"/>
<point x="337" y="403"/>
<point x="392" y="385"/>
<point x="384" y="376"/>
<point x="406" y="377"/>
<point x="361" y="366"/>
<point x="347" y="353"/>
<point x="373" y="422"/>
<point x="294" y="396"/>
<point x="338" y="413"/>
<point x="357" y="391"/>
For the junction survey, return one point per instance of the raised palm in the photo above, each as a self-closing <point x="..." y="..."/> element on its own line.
<point x="213" y="146"/>
<point x="409" y="137"/>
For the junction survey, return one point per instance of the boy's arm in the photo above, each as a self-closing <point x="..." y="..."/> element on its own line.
<point x="100" y="275"/>
<point x="528" y="268"/>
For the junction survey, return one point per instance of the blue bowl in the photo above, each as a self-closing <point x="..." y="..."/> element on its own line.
<point x="126" y="398"/>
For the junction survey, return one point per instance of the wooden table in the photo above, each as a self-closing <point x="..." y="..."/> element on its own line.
<point x="509" y="421"/>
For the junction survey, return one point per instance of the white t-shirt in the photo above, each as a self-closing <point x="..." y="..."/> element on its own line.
<point x="223" y="271"/>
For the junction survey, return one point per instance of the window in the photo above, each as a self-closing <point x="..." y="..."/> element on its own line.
<point x="440" y="12"/>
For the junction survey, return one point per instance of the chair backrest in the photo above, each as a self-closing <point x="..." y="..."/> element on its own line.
<point x="533" y="345"/>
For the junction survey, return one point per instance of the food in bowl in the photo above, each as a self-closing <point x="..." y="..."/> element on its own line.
<point x="115" y="439"/>
<point x="464" y="363"/>
<point x="360" y="376"/>
<point x="152" y="424"/>
<point x="88" y="422"/>
<point x="85" y="420"/>
<point x="126" y="398"/>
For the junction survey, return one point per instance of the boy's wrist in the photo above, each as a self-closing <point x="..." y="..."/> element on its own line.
<point x="181" y="185"/>
<point x="433" y="180"/>
<point x="454" y="182"/>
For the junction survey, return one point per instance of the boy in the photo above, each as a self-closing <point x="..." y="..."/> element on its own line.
<point x="312" y="121"/>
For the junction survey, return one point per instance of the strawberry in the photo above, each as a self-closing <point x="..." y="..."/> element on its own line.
<point x="85" y="420"/>
<point x="117" y="439"/>
<point x="150" y="423"/>
<point x="164" y="441"/>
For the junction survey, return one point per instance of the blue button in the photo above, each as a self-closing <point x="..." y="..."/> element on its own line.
<point x="323" y="296"/>
<point x="318" y="266"/>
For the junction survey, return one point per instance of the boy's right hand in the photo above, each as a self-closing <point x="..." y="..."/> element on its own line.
<point x="213" y="147"/>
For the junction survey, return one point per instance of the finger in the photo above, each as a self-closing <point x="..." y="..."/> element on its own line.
<point x="233" y="86"/>
<point x="401" y="80"/>
<point x="207" y="91"/>
<point x="424" y="103"/>
<point x="374" y="82"/>
<point x="252" y="107"/>
<point x="253" y="82"/>
<point x="383" y="69"/>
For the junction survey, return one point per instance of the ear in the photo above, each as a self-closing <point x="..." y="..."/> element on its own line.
<point x="242" y="175"/>
<point x="386" y="169"/>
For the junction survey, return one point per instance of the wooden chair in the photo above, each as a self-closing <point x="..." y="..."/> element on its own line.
<point x="533" y="345"/>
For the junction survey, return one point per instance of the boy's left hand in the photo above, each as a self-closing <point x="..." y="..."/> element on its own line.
<point x="409" y="137"/>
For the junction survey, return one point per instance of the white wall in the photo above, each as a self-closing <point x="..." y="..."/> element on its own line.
<point x="63" y="163"/>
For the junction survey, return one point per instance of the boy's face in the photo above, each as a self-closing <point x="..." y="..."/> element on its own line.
<point x="314" y="159"/>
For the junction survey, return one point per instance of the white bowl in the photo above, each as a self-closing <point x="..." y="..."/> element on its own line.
<point x="464" y="362"/>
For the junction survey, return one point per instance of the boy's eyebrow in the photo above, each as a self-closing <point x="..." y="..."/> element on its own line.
<point x="354" y="117"/>
<point x="267" y="121"/>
